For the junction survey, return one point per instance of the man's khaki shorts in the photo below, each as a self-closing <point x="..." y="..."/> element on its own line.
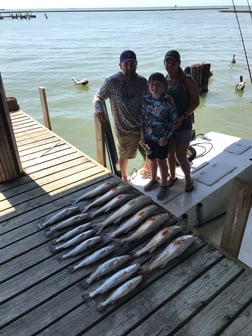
<point x="127" y="145"/>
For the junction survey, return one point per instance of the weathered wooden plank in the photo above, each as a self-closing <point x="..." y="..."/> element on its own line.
<point x="125" y="315"/>
<point x="190" y="300"/>
<point x="242" y="325"/>
<point x="47" y="206"/>
<point x="64" y="179"/>
<point x="221" y="311"/>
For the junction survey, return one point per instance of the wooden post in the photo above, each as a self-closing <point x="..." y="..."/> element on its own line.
<point x="44" y="105"/>
<point x="100" y="143"/>
<point x="10" y="164"/>
<point x="238" y="208"/>
<point x="201" y="73"/>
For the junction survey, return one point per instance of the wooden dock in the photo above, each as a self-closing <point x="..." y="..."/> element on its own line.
<point x="200" y="293"/>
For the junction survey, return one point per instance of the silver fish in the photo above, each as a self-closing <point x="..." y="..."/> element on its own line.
<point x="114" y="203"/>
<point x="127" y="209"/>
<point x="119" y="189"/>
<point x="65" y="213"/>
<point x="164" y="235"/>
<point x="98" y="190"/>
<point x="77" y="219"/>
<point x="171" y="251"/>
<point x="150" y="225"/>
<point x="120" y="292"/>
<point x="107" y="267"/>
<point x="74" y="241"/>
<point x="113" y="281"/>
<point x="81" y="247"/>
<point x="135" y="220"/>
<point x="71" y="233"/>
<point x="91" y="258"/>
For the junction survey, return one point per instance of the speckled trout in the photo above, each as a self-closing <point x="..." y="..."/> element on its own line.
<point x="108" y="266"/>
<point x="97" y="190"/>
<point x="113" y="281"/>
<point x="62" y="214"/>
<point x="123" y="290"/>
<point x="92" y="258"/>
<point x="83" y="246"/>
<point x="171" y="251"/>
<point x="73" y="232"/>
<point x="125" y="210"/>
<point x="74" y="220"/>
<point x="100" y="200"/>
<point x="73" y="241"/>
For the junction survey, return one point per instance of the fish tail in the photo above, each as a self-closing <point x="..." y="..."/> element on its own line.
<point x="40" y="226"/>
<point x="86" y="298"/>
<point x="71" y="269"/>
<point x="84" y="285"/>
<point x="53" y="248"/>
<point x="97" y="227"/>
<point x="100" y="307"/>
<point x="60" y="258"/>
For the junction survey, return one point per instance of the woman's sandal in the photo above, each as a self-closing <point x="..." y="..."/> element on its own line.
<point x="189" y="187"/>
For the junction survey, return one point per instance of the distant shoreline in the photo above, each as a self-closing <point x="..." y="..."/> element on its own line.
<point x="114" y="9"/>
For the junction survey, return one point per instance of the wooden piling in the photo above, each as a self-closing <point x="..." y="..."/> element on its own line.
<point x="201" y="73"/>
<point x="238" y="208"/>
<point x="44" y="105"/>
<point x="10" y="164"/>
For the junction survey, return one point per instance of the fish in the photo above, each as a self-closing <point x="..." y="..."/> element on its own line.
<point x="163" y="235"/>
<point x="73" y="232"/>
<point x="95" y="191"/>
<point x="135" y="220"/>
<point x="126" y="210"/>
<point x="74" y="241"/>
<point x="171" y="251"/>
<point x="83" y="246"/>
<point x="150" y="225"/>
<point x="92" y="258"/>
<point x="121" y="291"/>
<point x="113" y="203"/>
<point x="77" y="219"/>
<point x="113" y="281"/>
<point x="65" y="213"/>
<point x="107" y="267"/>
<point x="119" y="189"/>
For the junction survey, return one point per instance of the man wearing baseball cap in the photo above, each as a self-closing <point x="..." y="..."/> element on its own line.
<point x="125" y="90"/>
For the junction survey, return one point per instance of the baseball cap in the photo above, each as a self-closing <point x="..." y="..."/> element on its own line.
<point x="157" y="76"/>
<point x="128" y="56"/>
<point x="172" y="54"/>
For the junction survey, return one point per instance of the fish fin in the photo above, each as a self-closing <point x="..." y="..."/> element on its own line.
<point x="71" y="269"/>
<point x="86" y="298"/>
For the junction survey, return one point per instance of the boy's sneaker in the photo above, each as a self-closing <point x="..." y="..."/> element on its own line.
<point x="162" y="192"/>
<point x="151" y="185"/>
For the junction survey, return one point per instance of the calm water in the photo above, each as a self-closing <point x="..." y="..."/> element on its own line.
<point x="49" y="53"/>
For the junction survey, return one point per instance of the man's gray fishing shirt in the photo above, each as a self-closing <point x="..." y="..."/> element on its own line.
<point x="126" y="97"/>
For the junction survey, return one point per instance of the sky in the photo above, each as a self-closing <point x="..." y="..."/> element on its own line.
<point x="37" y="4"/>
